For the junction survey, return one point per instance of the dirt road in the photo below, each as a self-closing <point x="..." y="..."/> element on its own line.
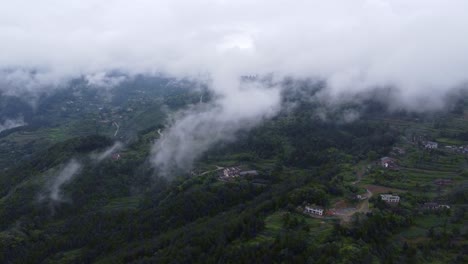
<point x="117" y="126"/>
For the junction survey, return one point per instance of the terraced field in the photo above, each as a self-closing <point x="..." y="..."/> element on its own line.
<point x="318" y="228"/>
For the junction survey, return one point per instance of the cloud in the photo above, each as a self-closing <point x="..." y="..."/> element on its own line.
<point x="417" y="48"/>
<point x="12" y="123"/>
<point x="196" y="130"/>
<point x="100" y="156"/>
<point x="66" y="174"/>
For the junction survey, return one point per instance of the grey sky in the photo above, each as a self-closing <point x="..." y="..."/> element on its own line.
<point x="418" y="45"/>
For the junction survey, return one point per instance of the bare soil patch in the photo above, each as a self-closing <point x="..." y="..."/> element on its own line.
<point x="376" y="189"/>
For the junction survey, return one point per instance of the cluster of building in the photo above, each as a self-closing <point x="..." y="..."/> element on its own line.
<point x="388" y="163"/>
<point x="314" y="210"/>
<point x="430" y="145"/>
<point x="116" y="156"/>
<point x="434" y="206"/>
<point x="390" y="198"/>
<point x="422" y="140"/>
<point x="231" y="172"/>
<point x="434" y="145"/>
<point x="235" y="172"/>
<point x="458" y="149"/>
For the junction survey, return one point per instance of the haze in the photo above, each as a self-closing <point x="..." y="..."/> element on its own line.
<point x="418" y="48"/>
<point x="416" y="45"/>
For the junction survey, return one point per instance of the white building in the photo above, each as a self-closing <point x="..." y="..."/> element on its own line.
<point x="435" y="206"/>
<point x="248" y="173"/>
<point x="231" y="172"/>
<point x="390" y="198"/>
<point x="311" y="209"/>
<point x="387" y="162"/>
<point x="431" y="145"/>
<point x="234" y="172"/>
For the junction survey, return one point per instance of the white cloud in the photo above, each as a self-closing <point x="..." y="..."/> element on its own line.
<point x="420" y="47"/>
<point x="195" y="131"/>
<point x="66" y="174"/>
<point x="100" y="156"/>
<point x="12" y="123"/>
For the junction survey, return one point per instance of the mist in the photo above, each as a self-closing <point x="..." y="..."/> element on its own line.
<point x="66" y="174"/>
<point x="195" y="130"/>
<point x="418" y="46"/>
<point x="12" y="123"/>
<point x="418" y="49"/>
<point x="100" y="156"/>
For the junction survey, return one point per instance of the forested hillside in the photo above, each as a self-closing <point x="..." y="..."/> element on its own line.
<point x="77" y="199"/>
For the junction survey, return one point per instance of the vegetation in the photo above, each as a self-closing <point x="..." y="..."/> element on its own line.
<point x="121" y="211"/>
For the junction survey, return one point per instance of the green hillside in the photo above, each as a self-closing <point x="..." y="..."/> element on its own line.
<point x="120" y="210"/>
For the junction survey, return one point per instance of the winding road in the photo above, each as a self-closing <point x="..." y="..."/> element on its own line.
<point x="117" y="126"/>
<point x="206" y="172"/>
<point x="363" y="206"/>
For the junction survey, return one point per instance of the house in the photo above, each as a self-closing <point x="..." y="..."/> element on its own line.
<point x="231" y="172"/>
<point x="314" y="210"/>
<point x="435" y="206"/>
<point x="387" y="162"/>
<point x="361" y="196"/>
<point x="115" y="156"/>
<point x="248" y="173"/>
<point x="389" y="198"/>
<point x="431" y="145"/>
<point x="463" y="149"/>
<point x="443" y="182"/>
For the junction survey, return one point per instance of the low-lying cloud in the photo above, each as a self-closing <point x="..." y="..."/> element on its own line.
<point x="193" y="132"/>
<point x="418" y="48"/>
<point x="100" y="156"/>
<point x="12" y="123"/>
<point x="66" y="174"/>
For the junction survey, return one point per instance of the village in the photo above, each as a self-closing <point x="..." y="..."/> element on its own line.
<point x="231" y="173"/>
<point x="345" y="208"/>
<point x="360" y="203"/>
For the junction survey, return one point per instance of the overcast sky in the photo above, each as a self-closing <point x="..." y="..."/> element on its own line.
<point x="418" y="45"/>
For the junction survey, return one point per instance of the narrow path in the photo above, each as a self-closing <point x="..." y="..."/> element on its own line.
<point x="206" y="172"/>
<point x="363" y="206"/>
<point x="118" y="127"/>
<point x="359" y="174"/>
<point x="159" y="132"/>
